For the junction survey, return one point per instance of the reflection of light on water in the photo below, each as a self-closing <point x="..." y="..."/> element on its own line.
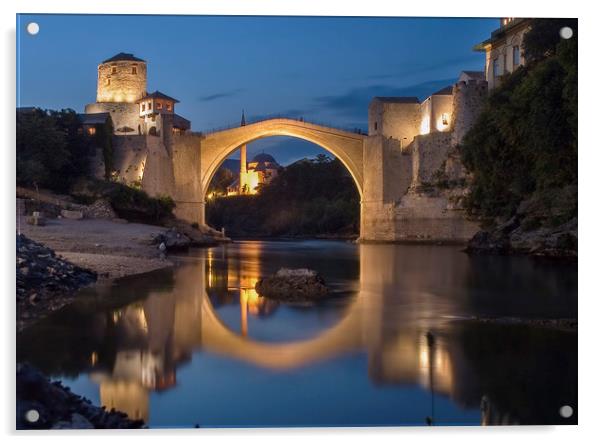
<point x="434" y="366"/>
<point x="250" y="301"/>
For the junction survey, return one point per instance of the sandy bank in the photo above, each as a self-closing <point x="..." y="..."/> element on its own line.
<point x="111" y="249"/>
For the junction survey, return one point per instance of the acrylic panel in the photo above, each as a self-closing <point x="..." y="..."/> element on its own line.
<point x="248" y="221"/>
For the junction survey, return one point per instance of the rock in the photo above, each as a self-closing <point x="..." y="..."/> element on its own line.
<point x="80" y="422"/>
<point x="293" y="285"/>
<point x="72" y="214"/>
<point x="101" y="209"/>
<point x="513" y="237"/>
<point x="45" y="282"/>
<point x="42" y="404"/>
<point x="172" y="240"/>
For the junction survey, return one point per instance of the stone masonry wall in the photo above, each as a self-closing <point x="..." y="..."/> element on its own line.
<point x="429" y="153"/>
<point x="398" y="120"/>
<point x="122" y="114"/>
<point x="122" y="85"/>
<point x="468" y="100"/>
<point x="187" y="191"/>
<point x="158" y="179"/>
<point x="129" y="158"/>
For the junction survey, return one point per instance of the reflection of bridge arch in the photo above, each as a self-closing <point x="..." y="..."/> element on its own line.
<point x="344" y="337"/>
<point x="346" y="146"/>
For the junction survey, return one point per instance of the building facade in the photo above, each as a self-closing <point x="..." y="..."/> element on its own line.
<point x="503" y="50"/>
<point x="121" y="91"/>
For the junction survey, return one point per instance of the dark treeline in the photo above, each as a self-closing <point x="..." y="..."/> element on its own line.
<point x="316" y="197"/>
<point x="52" y="150"/>
<point x="523" y="147"/>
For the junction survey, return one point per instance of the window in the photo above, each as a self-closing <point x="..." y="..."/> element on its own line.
<point x="168" y="107"/>
<point x="496" y="67"/>
<point x="159" y="105"/>
<point x="91" y="130"/>
<point x="445" y="119"/>
<point x="134" y="69"/>
<point x="143" y="107"/>
<point x="375" y="126"/>
<point x="150" y="106"/>
<point x="515" y="56"/>
<point x="108" y="82"/>
<point x="113" y="70"/>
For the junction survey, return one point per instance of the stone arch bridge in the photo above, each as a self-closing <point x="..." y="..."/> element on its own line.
<point x="387" y="177"/>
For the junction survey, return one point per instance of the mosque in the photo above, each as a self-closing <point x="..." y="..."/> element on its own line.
<point x="262" y="169"/>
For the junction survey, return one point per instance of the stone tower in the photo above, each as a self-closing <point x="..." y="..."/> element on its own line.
<point x="468" y="100"/>
<point x="122" y="78"/>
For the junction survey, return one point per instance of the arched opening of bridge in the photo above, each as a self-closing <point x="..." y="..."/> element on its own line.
<point x="274" y="186"/>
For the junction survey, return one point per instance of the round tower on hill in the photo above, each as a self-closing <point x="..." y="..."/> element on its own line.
<point x="122" y="78"/>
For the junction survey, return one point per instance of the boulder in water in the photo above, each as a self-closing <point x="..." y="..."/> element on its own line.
<point x="294" y="285"/>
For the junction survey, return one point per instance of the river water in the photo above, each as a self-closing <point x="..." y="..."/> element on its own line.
<point x="397" y="344"/>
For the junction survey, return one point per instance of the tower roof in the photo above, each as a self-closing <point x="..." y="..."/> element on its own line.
<point x="243" y="122"/>
<point x="124" y="57"/>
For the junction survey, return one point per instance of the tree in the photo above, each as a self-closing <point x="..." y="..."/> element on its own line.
<point x="42" y="152"/>
<point x="525" y="142"/>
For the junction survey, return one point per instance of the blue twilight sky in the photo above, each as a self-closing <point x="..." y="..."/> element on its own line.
<point x="324" y="69"/>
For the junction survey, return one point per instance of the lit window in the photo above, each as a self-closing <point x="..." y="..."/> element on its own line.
<point x="445" y="119"/>
<point x="168" y="107"/>
<point x="91" y="131"/>
<point x="108" y="82"/>
<point x="134" y="69"/>
<point x="159" y="105"/>
<point x="515" y="56"/>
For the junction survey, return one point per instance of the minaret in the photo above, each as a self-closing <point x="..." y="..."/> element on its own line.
<point x="243" y="161"/>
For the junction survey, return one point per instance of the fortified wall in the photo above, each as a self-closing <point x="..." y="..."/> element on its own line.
<point x="407" y="168"/>
<point x="412" y="184"/>
<point x="412" y="150"/>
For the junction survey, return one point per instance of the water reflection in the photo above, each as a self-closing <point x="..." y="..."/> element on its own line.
<point x="398" y="308"/>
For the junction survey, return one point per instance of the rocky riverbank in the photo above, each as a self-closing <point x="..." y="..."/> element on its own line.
<point x="42" y="404"/>
<point x="543" y="225"/>
<point x="45" y="282"/>
<point x="512" y="238"/>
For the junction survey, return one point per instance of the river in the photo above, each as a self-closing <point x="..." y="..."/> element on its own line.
<point x="397" y="344"/>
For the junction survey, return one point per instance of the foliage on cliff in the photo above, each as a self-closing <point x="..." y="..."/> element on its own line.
<point x="308" y="198"/>
<point x="129" y="203"/>
<point x="524" y="144"/>
<point x="52" y="151"/>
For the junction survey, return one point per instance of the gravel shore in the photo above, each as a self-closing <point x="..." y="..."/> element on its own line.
<point x="110" y="249"/>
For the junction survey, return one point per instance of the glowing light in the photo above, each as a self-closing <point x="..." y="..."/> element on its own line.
<point x="443" y="122"/>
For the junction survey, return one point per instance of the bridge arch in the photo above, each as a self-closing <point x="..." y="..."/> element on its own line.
<point x="345" y="146"/>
